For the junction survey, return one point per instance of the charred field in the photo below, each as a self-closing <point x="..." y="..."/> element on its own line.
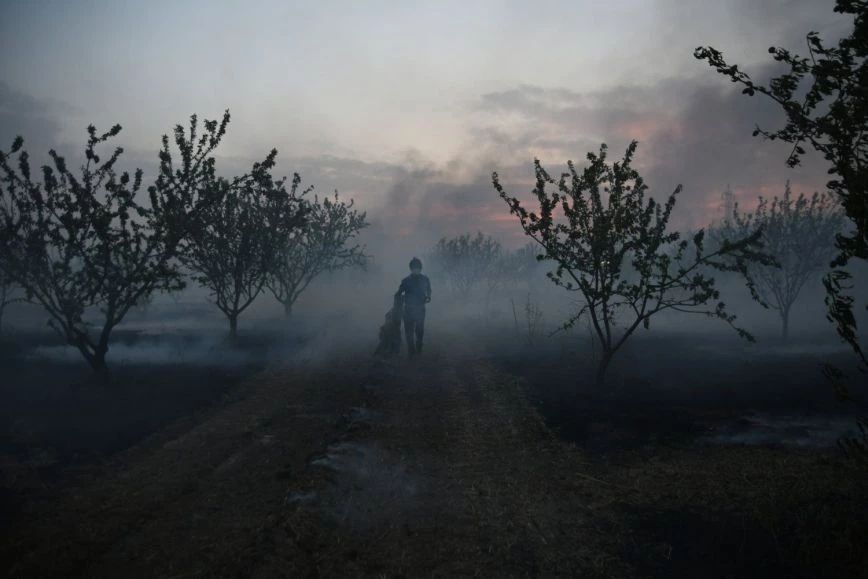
<point x="674" y="389"/>
<point x="702" y="455"/>
<point x="431" y="289"/>
<point x="57" y="418"/>
<point x="731" y="451"/>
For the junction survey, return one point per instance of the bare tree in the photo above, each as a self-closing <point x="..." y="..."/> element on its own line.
<point x="325" y="242"/>
<point x="465" y="261"/>
<point x="597" y="223"/>
<point x="799" y="233"/>
<point x="231" y="246"/>
<point x="82" y="242"/>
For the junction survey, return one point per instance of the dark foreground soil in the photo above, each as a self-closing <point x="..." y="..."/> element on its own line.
<point x="56" y="419"/>
<point x="671" y="390"/>
<point x="438" y="466"/>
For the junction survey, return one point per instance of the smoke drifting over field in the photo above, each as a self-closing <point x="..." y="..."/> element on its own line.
<point x="211" y="341"/>
<point x="692" y="129"/>
<point x="425" y="173"/>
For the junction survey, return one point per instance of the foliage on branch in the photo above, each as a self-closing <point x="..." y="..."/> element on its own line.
<point x="231" y="245"/>
<point x="597" y="224"/>
<point x="324" y="243"/>
<point x="825" y="99"/>
<point x="77" y="241"/>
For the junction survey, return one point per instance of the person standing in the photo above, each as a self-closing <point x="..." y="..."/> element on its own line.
<point x="416" y="292"/>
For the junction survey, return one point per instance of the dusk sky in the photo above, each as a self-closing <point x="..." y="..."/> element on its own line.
<point x="409" y="106"/>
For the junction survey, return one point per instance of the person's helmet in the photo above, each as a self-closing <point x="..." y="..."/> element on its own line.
<point x="415" y="263"/>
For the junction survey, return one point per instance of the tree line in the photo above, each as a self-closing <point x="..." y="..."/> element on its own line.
<point x="84" y="243"/>
<point x="467" y="263"/>
<point x="612" y="245"/>
<point x="81" y="240"/>
<point x="796" y="234"/>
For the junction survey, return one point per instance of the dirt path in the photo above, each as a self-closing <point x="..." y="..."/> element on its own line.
<point x="452" y="473"/>
<point x="435" y="466"/>
<point x="432" y="467"/>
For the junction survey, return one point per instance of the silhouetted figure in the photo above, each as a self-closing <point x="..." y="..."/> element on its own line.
<point x="390" y="331"/>
<point x="416" y="291"/>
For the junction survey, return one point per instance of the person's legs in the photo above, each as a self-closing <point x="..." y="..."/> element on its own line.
<point x="409" y="331"/>
<point x="420" y="330"/>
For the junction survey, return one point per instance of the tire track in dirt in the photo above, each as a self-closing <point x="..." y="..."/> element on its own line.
<point x="455" y="474"/>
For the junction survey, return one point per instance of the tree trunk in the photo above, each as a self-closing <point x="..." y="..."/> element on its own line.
<point x="603" y="365"/>
<point x="287" y="309"/>
<point x="233" y="326"/>
<point x="785" y="325"/>
<point x="99" y="366"/>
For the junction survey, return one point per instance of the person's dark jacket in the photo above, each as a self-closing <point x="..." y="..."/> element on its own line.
<point x="416" y="289"/>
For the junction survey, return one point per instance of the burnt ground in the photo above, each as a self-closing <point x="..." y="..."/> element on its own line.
<point x="669" y="389"/>
<point x="55" y="419"/>
<point x="455" y="464"/>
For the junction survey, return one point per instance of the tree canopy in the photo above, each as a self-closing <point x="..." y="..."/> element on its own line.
<point x="82" y="241"/>
<point x="231" y="246"/>
<point x="597" y="222"/>
<point x="324" y="242"/>
<point x="798" y="233"/>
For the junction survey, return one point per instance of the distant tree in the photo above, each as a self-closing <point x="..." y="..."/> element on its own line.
<point x="82" y="242"/>
<point x="324" y="243"/>
<point x="525" y="260"/>
<point x="825" y="99"/>
<point x="799" y="233"/>
<point x="511" y="269"/>
<point x="466" y="261"/>
<point x="597" y="223"/>
<point x="231" y="246"/>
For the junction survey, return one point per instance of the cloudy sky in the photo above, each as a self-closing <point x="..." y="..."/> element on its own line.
<point x="409" y="106"/>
